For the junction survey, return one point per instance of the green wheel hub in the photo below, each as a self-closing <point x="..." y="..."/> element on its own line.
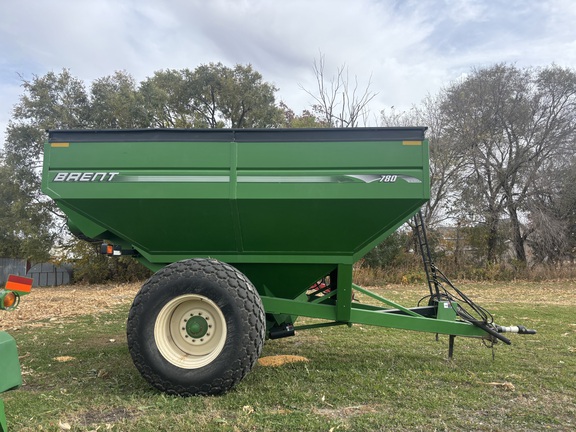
<point x="197" y="327"/>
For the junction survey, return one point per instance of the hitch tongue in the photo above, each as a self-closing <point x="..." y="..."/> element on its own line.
<point x="515" y="329"/>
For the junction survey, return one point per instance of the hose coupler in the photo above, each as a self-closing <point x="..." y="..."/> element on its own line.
<point x="515" y="329"/>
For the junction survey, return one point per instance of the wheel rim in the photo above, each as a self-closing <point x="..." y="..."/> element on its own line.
<point x="190" y="331"/>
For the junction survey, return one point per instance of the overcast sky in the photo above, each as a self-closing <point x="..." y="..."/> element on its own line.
<point x="409" y="48"/>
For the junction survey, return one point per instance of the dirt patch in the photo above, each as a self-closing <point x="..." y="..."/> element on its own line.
<point x="64" y="359"/>
<point x="280" y="360"/>
<point x="347" y="412"/>
<point x="91" y="418"/>
<point x="50" y="304"/>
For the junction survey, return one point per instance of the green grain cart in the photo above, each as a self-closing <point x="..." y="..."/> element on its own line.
<point x="238" y="225"/>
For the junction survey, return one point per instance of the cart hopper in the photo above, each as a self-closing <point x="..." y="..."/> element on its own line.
<point x="284" y="206"/>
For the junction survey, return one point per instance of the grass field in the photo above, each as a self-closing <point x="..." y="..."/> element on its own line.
<point x="79" y="376"/>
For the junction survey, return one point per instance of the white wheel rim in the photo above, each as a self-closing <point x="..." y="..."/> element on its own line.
<point x="194" y="344"/>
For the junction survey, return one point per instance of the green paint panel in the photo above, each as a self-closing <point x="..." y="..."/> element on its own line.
<point x="136" y="155"/>
<point x="156" y="226"/>
<point x="321" y="227"/>
<point x="284" y="280"/>
<point x="327" y="155"/>
<point x="10" y="377"/>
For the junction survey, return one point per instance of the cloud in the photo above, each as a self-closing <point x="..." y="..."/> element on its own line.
<point x="407" y="48"/>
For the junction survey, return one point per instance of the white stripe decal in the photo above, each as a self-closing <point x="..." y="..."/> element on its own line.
<point x="366" y="178"/>
<point x="175" y="179"/>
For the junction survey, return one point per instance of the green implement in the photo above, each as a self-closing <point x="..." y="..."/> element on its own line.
<point x="238" y="226"/>
<point x="10" y="375"/>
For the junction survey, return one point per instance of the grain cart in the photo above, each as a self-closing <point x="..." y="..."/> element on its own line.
<point x="10" y="375"/>
<point x="237" y="226"/>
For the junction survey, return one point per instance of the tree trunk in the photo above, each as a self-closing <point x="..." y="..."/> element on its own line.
<point x="517" y="238"/>
<point x="492" y="241"/>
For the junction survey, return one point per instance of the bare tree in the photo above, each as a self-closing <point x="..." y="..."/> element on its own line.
<point x="339" y="101"/>
<point x="446" y="160"/>
<point x="549" y="237"/>
<point x="513" y="125"/>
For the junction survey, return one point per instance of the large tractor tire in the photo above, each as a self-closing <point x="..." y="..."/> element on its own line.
<point x="196" y="327"/>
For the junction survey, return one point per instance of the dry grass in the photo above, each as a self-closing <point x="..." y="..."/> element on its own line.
<point x="559" y="293"/>
<point x="49" y="304"/>
<point x="553" y="293"/>
<point x="412" y="272"/>
<point x="280" y="360"/>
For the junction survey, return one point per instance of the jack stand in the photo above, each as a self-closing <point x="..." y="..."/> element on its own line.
<point x="451" y="347"/>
